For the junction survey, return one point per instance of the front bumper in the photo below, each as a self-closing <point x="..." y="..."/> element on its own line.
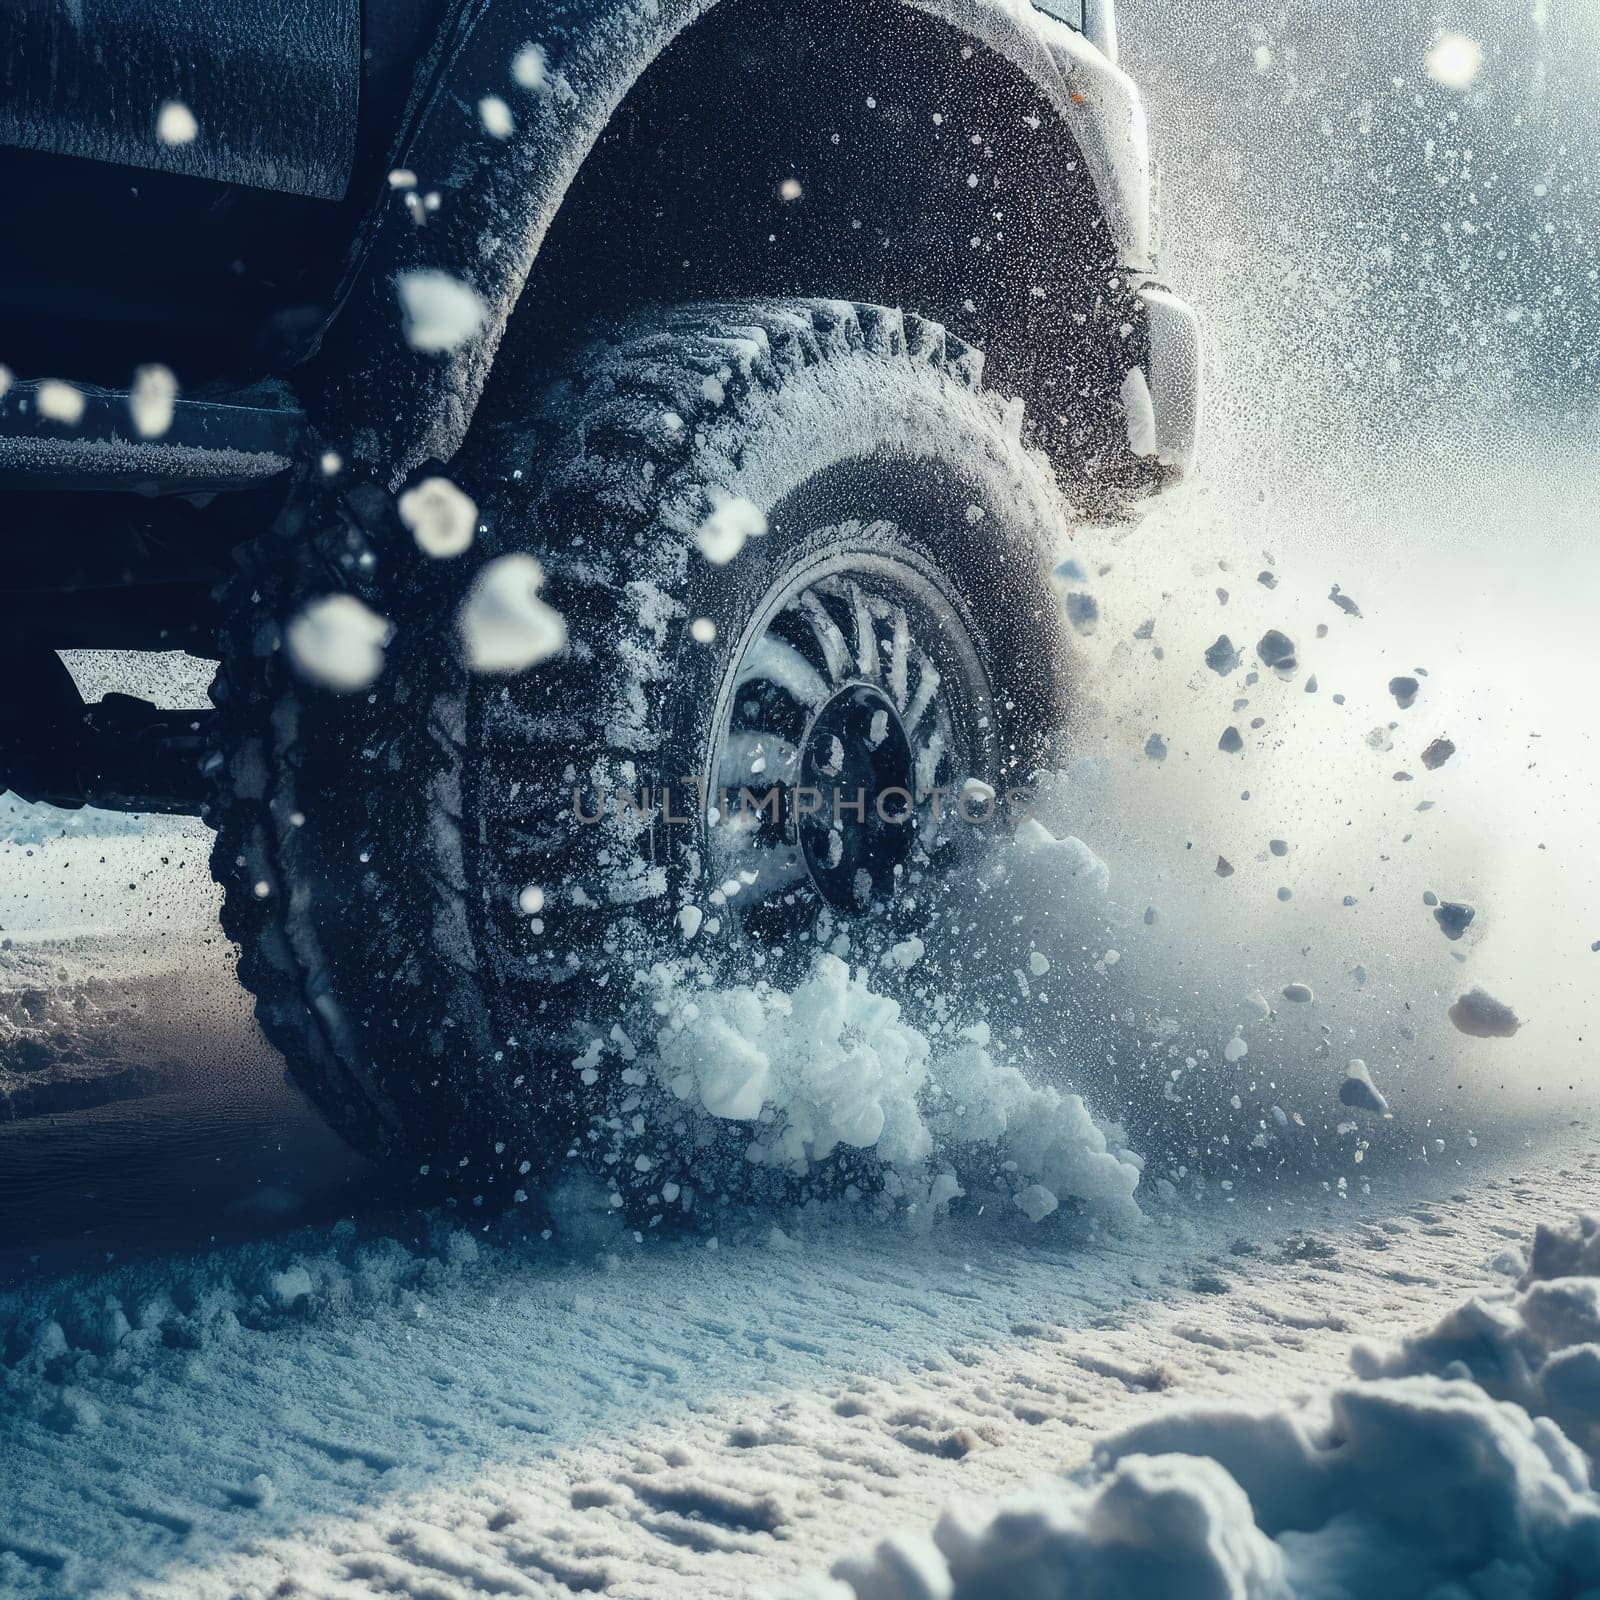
<point x="1173" y="374"/>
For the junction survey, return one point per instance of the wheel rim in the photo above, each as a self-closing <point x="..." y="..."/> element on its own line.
<point x="857" y="680"/>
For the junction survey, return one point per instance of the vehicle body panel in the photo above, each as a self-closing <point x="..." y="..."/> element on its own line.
<point x="271" y="86"/>
<point x="500" y="197"/>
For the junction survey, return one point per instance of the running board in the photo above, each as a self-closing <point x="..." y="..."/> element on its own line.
<point x="120" y="754"/>
<point x="69" y="436"/>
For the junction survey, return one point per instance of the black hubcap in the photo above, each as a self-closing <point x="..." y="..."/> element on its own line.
<point x="856" y="769"/>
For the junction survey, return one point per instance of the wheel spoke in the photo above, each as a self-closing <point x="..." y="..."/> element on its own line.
<point x="927" y="687"/>
<point x="900" y="659"/>
<point x="838" y="697"/>
<point x="866" y="633"/>
<point x="831" y="641"/>
<point x="772" y="661"/>
<point x="928" y="757"/>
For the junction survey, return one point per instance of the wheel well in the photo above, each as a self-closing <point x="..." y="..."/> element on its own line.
<point x="864" y="150"/>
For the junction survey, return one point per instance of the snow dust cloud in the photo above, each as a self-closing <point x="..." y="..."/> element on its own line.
<point x="1403" y="317"/>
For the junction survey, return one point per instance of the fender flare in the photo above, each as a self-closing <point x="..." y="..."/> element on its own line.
<point x="392" y="407"/>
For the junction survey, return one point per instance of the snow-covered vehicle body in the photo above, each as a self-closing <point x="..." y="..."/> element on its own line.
<point x="238" y="194"/>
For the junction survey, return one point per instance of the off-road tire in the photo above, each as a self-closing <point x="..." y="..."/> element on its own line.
<point x="374" y="848"/>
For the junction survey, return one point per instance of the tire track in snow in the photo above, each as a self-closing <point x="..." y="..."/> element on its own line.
<point x="690" y="1422"/>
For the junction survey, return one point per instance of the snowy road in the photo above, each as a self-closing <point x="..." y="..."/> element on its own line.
<point x="392" y="1405"/>
<point x="341" y="1414"/>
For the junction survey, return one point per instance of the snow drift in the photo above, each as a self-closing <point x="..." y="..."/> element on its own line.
<point x="1459" y="1462"/>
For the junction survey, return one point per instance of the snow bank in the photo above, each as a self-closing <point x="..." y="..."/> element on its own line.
<point x="1460" y="1462"/>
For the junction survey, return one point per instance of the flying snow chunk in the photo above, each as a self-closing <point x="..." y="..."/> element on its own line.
<point x="530" y="69"/>
<point x="1438" y="753"/>
<point x="441" y="312"/>
<point x="690" y="920"/>
<point x="1067" y="860"/>
<point x="734" y="1076"/>
<point x="703" y="630"/>
<point x="531" y="901"/>
<point x="1083" y="612"/>
<point x="60" y="402"/>
<point x="290" y="1286"/>
<point x="505" y="627"/>
<point x="1036" y="1202"/>
<point x="442" y="519"/>
<point x="1478" y="1014"/>
<point x="1455" y="60"/>
<point x="1360" y="1091"/>
<point x="175" y="124"/>
<point x="155" y="393"/>
<point x="495" y="115"/>
<point x="338" y="643"/>
<point x="733" y="521"/>
<point x="1235" y="1050"/>
<point x="1344" y="602"/>
<point x="1276" y="649"/>
<point x="1140" y="411"/>
<point x="1222" y="658"/>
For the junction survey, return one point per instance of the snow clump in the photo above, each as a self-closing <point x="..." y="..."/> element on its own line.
<point x="835" y="1063"/>
<point x="1455" y="60"/>
<point x="155" y="393"/>
<point x="339" y="643"/>
<point x="1360" y="1092"/>
<point x="732" y="523"/>
<point x="505" y="627"/>
<point x="60" y="402"/>
<point x="530" y="69"/>
<point x="495" y="115"/>
<point x="441" y="518"/>
<point x="835" y="1059"/>
<point x="175" y="124"/>
<point x="1478" y="1014"/>
<point x="442" y="313"/>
